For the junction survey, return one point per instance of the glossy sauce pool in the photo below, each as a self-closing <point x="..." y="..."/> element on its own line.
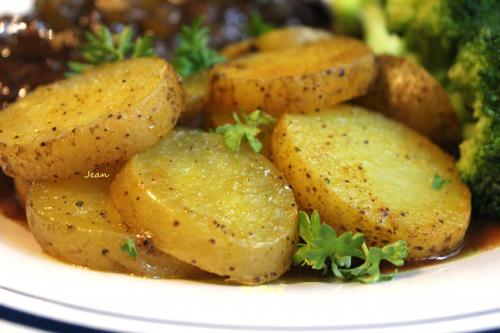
<point x="483" y="235"/>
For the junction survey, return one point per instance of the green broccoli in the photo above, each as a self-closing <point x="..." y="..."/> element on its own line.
<point x="367" y="18"/>
<point x="459" y="42"/>
<point x="476" y="75"/>
<point x="434" y="30"/>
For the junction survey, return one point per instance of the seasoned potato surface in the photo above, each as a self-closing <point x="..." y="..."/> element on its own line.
<point x="196" y="88"/>
<point x="228" y="213"/>
<point x="75" y="220"/>
<point x="364" y="172"/>
<point x="101" y="117"/>
<point x="298" y="79"/>
<point x="406" y="92"/>
<point x="277" y="39"/>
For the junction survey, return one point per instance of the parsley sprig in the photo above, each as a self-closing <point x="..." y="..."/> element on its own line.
<point x="102" y="47"/>
<point x="322" y="247"/>
<point x="247" y="127"/>
<point x="256" y="25"/>
<point x="438" y="182"/>
<point x="129" y="247"/>
<point x="193" y="53"/>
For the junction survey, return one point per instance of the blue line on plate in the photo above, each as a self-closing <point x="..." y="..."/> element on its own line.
<point x="260" y="328"/>
<point x="26" y="319"/>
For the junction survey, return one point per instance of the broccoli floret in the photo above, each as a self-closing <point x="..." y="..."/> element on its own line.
<point x="373" y="21"/>
<point x="434" y="30"/>
<point x="477" y="75"/>
<point x="367" y="19"/>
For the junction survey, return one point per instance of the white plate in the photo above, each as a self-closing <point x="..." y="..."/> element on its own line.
<point x="460" y="295"/>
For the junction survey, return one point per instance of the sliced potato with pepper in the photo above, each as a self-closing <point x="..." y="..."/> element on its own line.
<point x="75" y="220"/>
<point x="101" y="117"/>
<point x="277" y="39"/>
<point x="406" y="92"/>
<point x="298" y="79"/>
<point x="229" y="213"/>
<point x="364" y="172"/>
<point x="196" y="88"/>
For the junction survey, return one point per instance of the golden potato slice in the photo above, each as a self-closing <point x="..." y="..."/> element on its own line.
<point x="196" y="88"/>
<point x="75" y="220"/>
<point x="406" y="92"/>
<point x="277" y="39"/>
<point x="228" y="213"/>
<point x="101" y="117"/>
<point x="364" y="172"/>
<point x="22" y="187"/>
<point x="296" y="80"/>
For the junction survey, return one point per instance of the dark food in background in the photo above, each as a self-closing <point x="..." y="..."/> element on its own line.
<point x="30" y="55"/>
<point x="226" y="18"/>
<point x="35" y="49"/>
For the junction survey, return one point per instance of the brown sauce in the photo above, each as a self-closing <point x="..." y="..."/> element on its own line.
<point x="9" y="205"/>
<point x="483" y="235"/>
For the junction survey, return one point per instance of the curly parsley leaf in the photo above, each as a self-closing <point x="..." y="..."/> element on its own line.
<point x="257" y="26"/>
<point x="438" y="182"/>
<point x="103" y="47"/>
<point x="193" y="53"/>
<point x="322" y="247"/>
<point x="129" y="247"/>
<point x="246" y="128"/>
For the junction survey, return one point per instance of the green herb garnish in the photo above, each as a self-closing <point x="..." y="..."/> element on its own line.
<point x="257" y="26"/>
<point x="322" y="247"/>
<point x="246" y="128"/>
<point x="103" y="47"/>
<point x="193" y="53"/>
<point x="438" y="182"/>
<point x="129" y="247"/>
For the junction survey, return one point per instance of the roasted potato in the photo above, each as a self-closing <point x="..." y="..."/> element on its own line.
<point x="406" y="92"/>
<point x="101" y="117"/>
<point x="277" y="39"/>
<point x="229" y="213"/>
<point x="22" y="187"/>
<point x="364" y="172"/>
<point x="298" y="79"/>
<point x="196" y="88"/>
<point x="74" y="220"/>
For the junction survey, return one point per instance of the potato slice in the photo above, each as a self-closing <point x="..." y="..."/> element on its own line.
<point x="297" y="79"/>
<point x="364" y="172"/>
<point x="101" y="117"/>
<point x="406" y="92"/>
<point x="196" y="88"/>
<point x="22" y="187"/>
<point x="277" y="39"/>
<point x="228" y="213"/>
<point x="75" y="220"/>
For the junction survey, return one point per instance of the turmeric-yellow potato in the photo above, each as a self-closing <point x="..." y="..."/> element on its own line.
<point x="364" y="172"/>
<point x="100" y="117"/>
<point x="229" y="213"/>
